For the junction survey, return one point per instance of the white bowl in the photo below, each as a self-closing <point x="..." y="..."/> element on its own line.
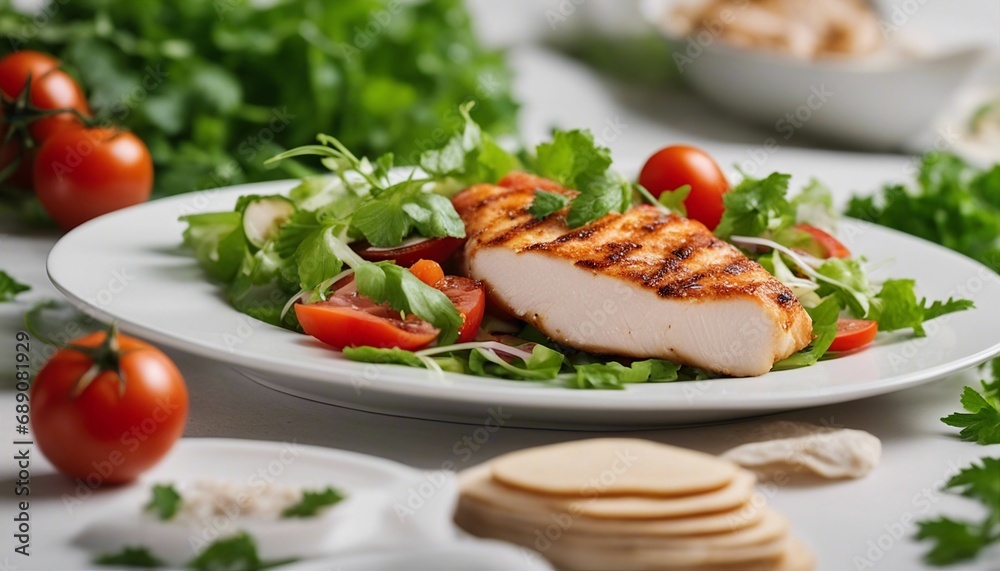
<point x="876" y="103"/>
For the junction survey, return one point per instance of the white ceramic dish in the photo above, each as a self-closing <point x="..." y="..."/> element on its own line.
<point x="129" y="266"/>
<point x="876" y="105"/>
<point x="367" y="529"/>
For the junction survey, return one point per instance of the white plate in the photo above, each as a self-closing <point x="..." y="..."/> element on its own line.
<point x="366" y="526"/>
<point x="129" y="266"/>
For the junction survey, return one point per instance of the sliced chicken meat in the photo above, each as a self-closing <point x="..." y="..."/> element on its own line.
<point x="642" y="284"/>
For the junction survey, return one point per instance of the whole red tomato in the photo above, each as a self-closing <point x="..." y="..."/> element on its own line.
<point x="109" y="411"/>
<point x="83" y="173"/>
<point x="51" y="88"/>
<point x="673" y="167"/>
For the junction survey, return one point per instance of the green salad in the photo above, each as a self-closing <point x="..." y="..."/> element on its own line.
<point x="277" y="255"/>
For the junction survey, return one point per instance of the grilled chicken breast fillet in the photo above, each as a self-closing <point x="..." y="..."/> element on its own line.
<point x="642" y="284"/>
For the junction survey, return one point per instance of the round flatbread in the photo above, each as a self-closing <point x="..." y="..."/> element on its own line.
<point x="572" y="552"/>
<point x="770" y="527"/>
<point x="613" y="467"/>
<point x="721" y="522"/>
<point x="477" y="483"/>
<point x="798" y="557"/>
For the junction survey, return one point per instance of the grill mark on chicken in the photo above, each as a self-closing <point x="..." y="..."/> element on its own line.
<point x="674" y="256"/>
<point x="514" y="231"/>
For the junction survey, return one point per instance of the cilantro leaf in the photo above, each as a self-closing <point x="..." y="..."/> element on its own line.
<point x="824" y="317"/>
<point x="756" y="207"/>
<point x="402" y="208"/>
<point x="982" y="423"/>
<point x="953" y="540"/>
<point x="896" y="307"/>
<point x="673" y="200"/>
<point x="312" y="502"/>
<point x="238" y="552"/>
<point x="132" y="557"/>
<point x="165" y="503"/>
<point x="469" y="156"/>
<point x="9" y="287"/>
<point x="952" y="204"/>
<point x="609" y="192"/>
<point x="547" y="203"/>
<point x="574" y="160"/>
<point x="393" y="356"/>
<point x="386" y="282"/>
<point x="980" y="482"/>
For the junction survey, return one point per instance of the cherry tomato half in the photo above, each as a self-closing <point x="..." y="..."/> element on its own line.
<point x="853" y="334"/>
<point x="831" y="246"/>
<point x="348" y="319"/>
<point x="673" y="167"/>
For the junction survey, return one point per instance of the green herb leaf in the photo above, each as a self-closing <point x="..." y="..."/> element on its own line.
<point x="9" y="287"/>
<point x="896" y="307"/>
<point x="316" y="260"/>
<point x="238" y="552"/>
<point x="614" y="375"/>
<point x="952" y="204"/>
<point x="543" y="364"/>
<point x="599" y="196"/>
<point x="756" y="207"/>
<point x="824" y="317"/>
<point x="218" y="242"/>
<point x="982" y="423"/>
<point x="954" y="541"/>
<point x="547" y="203"/>
<point x="673" y="200"/>
<point x="575" y="161"/>
<point x="980" y="482"/>
<point x="312" y="502"/>
<point x="403" y="208"/>
<point x="132" y="557"/>
<point x="386" y="282"/>
<point x="165" y="503"/>
<point x="393" y="356"/>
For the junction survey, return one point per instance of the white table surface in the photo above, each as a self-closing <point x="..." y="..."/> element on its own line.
<point x="850" y="524"/>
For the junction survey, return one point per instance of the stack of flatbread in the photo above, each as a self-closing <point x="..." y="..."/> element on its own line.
<point x="627" y="504"/>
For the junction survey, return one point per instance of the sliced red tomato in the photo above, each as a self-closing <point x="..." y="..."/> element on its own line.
<point x="831" y="246"/>
<point x="411" y="251"/>
<point x="672" y="167"/>
<point x="469" y="298"/>
<point x="853" y="334"/>
<point x="348" y="319"/>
